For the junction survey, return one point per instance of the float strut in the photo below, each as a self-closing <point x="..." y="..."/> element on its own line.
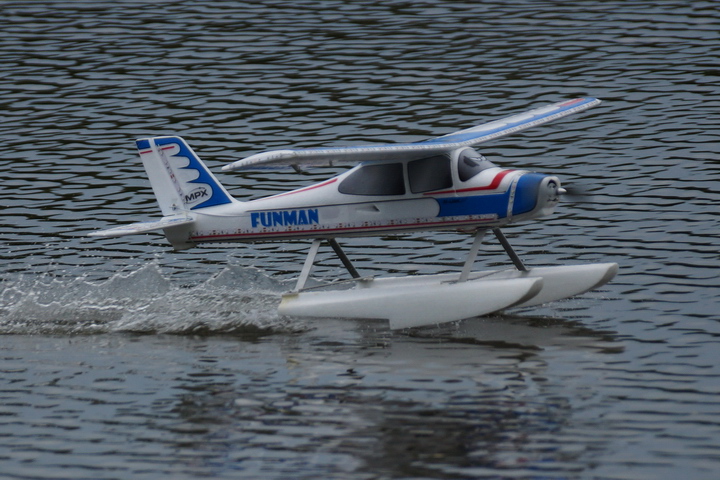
<point x="508" y="248"/>
<point x="472" y="255"/>
<point x="305" y="273"/>
<point x="343" y="258"/>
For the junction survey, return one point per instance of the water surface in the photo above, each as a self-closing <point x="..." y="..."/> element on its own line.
<point x="123" y="359"/>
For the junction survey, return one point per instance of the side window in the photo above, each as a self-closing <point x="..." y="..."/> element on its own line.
<point x="375" y="179"/>
<point x="428" y="174"/>
<point x="470" y="163"/>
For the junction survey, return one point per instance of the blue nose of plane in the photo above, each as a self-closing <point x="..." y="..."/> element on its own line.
<point x="536" y="194"/>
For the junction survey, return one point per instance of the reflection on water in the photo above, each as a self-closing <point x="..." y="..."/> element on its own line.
<point x="121" y="358"/>
<point x="343" y="398"/>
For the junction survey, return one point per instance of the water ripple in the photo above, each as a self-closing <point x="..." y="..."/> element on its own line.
<point x="619" y="383"/>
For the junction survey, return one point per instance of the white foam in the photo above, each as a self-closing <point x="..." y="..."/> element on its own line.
<point x="236" y="300"/>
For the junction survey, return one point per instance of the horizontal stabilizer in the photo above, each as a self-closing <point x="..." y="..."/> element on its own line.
<point x="462" y="138"/>
<point x="143" y="227"/>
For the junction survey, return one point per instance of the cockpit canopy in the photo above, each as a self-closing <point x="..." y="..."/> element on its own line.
<point x="424" y="175"/>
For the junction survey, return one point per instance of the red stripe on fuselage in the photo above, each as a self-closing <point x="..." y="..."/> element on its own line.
<point x="495" y="183"/>
<point x="325" y="231"/>
<point x="306" y="189"/>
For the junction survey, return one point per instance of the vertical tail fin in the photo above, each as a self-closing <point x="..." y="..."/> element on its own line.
<point x="180" y="180"/>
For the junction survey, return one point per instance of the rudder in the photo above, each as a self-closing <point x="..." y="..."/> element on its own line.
<point x="180" y="180"/>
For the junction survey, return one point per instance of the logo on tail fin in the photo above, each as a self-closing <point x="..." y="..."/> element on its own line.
<point x="196" y="186"/>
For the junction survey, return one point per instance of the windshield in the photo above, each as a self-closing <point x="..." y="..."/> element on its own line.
<point x="470" y="163"/>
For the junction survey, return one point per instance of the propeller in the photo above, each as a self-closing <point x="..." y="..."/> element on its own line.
<point x="576" y="193"/>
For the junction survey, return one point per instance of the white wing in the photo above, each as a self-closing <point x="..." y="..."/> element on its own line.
<point x="462" y="138"/>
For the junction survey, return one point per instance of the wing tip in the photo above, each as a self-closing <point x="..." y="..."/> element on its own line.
<point x="583" y="102"/>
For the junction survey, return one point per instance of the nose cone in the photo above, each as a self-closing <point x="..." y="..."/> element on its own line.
<point x="536" y="195"/>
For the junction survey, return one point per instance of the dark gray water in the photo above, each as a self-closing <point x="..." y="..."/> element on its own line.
<point x="122" y="359"/>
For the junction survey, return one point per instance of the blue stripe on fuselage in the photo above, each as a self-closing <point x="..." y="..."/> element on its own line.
<point x="475" y="205"/>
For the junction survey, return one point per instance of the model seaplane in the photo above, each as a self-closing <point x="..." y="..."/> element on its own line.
<point x="436" y="184"/>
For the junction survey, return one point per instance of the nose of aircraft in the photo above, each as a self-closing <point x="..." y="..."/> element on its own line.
<point x="536" y="194"/>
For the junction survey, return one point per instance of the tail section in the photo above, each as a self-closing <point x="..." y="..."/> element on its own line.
<point x="182" y="184"/>
<point x="180" y="180"/>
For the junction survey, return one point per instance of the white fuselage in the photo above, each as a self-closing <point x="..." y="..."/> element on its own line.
<point x="386" y="197"/>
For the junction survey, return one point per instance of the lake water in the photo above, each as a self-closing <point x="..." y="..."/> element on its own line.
<point x="122" y="359"/>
